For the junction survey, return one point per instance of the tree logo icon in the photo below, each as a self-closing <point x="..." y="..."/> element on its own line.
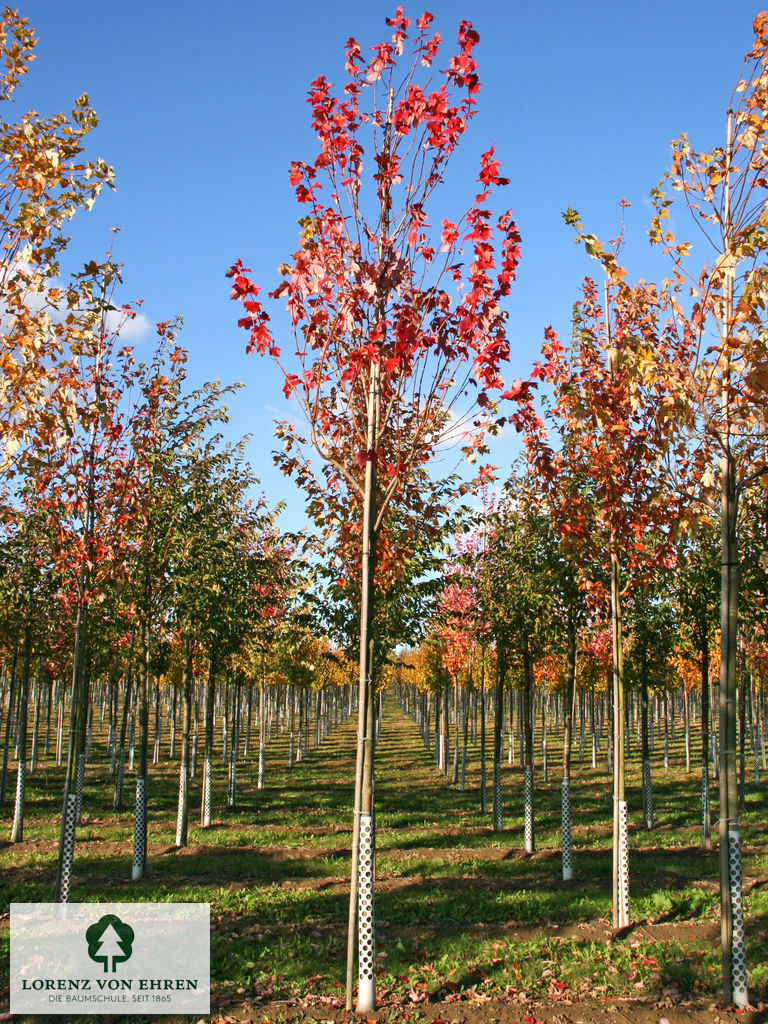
<point x="109" y="939"/>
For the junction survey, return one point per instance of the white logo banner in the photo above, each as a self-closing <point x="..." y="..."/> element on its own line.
<point x="81" y="958"/>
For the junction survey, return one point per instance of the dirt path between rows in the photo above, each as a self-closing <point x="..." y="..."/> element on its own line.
<point x="498" y="1011"/>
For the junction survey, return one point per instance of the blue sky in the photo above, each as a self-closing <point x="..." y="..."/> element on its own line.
<point x="202" y="109"/>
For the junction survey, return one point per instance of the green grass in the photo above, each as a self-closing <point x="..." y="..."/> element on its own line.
<point x="460" y="910"/>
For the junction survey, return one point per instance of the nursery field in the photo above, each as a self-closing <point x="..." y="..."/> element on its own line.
<point x="469" y="928"/>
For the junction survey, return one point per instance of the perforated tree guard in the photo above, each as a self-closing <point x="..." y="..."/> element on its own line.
<point x="17" y="832"/>
<point x="565" y="801"/>
<point x="366" y="939"/>
<point x="68" y="851"/>
<point x="79" y="785"/>
<point x="207" y="774"/>
<point x="528" y="827"/>
<point x="498" y="811"/>
<point x="739" y="993"/>
<point x="139" y="827"/>
<point x="623" y="866"/>
<point x="232" y="781"/>
<point x="119" y="779"/>
<point x="647" y="793"/>
<point x="183" y="783"/>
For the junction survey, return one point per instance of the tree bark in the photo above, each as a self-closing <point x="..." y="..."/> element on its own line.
<point x="17" y="830"/>
<point x="210" y="693"/>
<point x="9" y="720"/>
<point x="498" y="735"/>
<point x="529" y="834"/>
<point x="706" y="821"/>
<point x="120" y="767"/>
<point x="140" y="820"/>
<point x="647" y="780"/>
<point x="570" y="687"/>
<point x="182" y="816"/>
<point x="620" y="838"/>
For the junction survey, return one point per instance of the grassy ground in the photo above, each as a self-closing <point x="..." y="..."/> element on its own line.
<point x="469" y="927"/>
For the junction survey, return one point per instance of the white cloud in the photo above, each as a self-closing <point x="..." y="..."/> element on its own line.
<point x="457" y="431"/>
<point x="128" y="329"/>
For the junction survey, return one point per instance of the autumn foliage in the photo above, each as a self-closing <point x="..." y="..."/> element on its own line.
<point x="371" y="285"/>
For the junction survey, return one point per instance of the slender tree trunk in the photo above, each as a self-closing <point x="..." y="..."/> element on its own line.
<point x="182" y="816"/>
<point x="262" y="728"/>
<point x="76" y="711"/>
<point x="361" y="904"/>
<point x="225" y="721"/>
<point x="498" y="735"/>
<point x="465" y="732"/>
<point x="172" y="750"/>
<point x="530" y="837"/>
<point x="9" y="721"/>
<point x="753" y="724"/>
<point x="79" y="707"/>
<point x="364" y="835"/>
<point x="483" y="780"/>
<point x="731" y="909"/>
<point x="666" y="729"/>
<point x="687" y="728"/>
<point x="511" y="744"/>
<point x="706" y="820"/>
<point x="140" y="820"/>
<point x="61" y="696"/>
<point x="647" y="780"/>
<point x="446" y="722"/>
<point x="193" y="759"/>
<point x="234" y="742"/>
<point x="569" y="695"/>
<point x="36" y="724"/>
<point x="249" y="717"/>
<point x="544" y="728"/>
<point x="742" y="712"/>
<point x="48" y="714"/>
<point x="17" y="830"/>
<point x="291" y="724"/>
<point x="455" y="771"/>
<point x="210" y="693"/>
<point x="120" y="767"/>
<point x="438" y="731"/>
<point x="114" y="685"/>
<point x="83" y="725"/>
<point x="158" y="725"/>
<point x="620" y="837"/>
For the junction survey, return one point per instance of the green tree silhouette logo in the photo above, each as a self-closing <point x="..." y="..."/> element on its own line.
<point x="109" y="939"/>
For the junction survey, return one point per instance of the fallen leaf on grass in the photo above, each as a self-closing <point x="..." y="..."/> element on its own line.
<point x="672" y="994"/>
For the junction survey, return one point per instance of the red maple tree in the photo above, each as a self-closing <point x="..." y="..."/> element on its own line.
<point x="395" y="331"/>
